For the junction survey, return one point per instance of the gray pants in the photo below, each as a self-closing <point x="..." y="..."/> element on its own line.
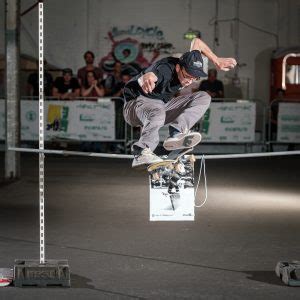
<point x="182" y="113"/>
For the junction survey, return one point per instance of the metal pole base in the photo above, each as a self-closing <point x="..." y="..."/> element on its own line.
<point x="289" y="272"/>
<point x="33" y="273"/>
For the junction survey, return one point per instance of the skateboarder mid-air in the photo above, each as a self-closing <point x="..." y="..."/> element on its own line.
<point x="150" y="102"/>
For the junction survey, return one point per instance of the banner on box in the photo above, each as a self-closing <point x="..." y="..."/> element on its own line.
<point x="74" y="120"/>
<point x="288" y="127"/>
<point x="172" y="194"/>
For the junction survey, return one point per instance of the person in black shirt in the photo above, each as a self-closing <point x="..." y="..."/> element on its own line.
<point x="33" y="82"/>
<point x="151" y="102"/>
<point x="66" y="87"/>
<point x="212" y="85"/>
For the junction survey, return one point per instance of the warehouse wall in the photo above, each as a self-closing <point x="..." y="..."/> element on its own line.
<point x="73" y="26"/>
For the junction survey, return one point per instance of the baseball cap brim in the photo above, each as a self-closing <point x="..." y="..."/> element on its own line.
<point x="195" y="72"/>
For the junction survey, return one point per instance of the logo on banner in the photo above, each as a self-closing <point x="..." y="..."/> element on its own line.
<point x="31" y="116"/>
<point x="57" y="119"/>
<point x="205" y="128"/>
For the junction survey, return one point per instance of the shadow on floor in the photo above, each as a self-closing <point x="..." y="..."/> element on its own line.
<point x="264" y="276"/>
<point x="81" y="282"/>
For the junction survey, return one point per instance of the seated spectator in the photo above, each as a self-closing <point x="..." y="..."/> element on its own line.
<point x="92" y="88"/>
<point x="66" y="87"/>
<point x="113" y="79"/>
<point x="89" y="58"/>
<point x="118" y="88"/>
<point x="33" y="82"/>
<point x="212" y="85"/>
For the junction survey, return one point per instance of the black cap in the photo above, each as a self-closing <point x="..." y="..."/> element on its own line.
<point x="193" y="63"/>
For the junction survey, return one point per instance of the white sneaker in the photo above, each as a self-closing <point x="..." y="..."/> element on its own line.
<point x="182" y="141"/>
<point x="147" y="157"/>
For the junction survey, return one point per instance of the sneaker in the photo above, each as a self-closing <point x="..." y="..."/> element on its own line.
<point x="147" y="157"/>
<point x="182" y="141"/>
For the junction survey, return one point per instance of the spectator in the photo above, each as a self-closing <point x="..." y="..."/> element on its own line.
<point x="2" y="89"/>
<point x="118" y="88"/>
<point x="66" y="87"/>
<point x="92" y="88"/>
<point x="113" y="80"/>
<point x="212" y="85"/>
<point x="89" y="58"/>
<point x="279" y="97"/>
<point x="33" y="82"/>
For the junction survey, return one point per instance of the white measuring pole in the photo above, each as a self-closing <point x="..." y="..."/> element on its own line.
<point x="41" y="133"/>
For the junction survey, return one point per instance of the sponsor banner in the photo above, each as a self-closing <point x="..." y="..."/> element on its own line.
<point x="288" y="129"/>
<point x="229" y="122"/>
<point x="74" y="120"/>
<point x="226" y="123"/>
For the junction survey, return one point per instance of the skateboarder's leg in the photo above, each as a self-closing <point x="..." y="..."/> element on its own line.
<point x="150" y="115"/>
<point x="182" y="113"/>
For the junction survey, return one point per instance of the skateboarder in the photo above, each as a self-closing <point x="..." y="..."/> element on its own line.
<point x="150" y="102"/>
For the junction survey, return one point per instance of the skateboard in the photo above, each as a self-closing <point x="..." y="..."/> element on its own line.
<point x="175" y="167"/>
<point x="172" y="159"/>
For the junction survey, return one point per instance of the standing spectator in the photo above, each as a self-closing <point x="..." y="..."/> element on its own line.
<point x="212" y="85"/>
<point x="66" y="87"/>
<point x="120" y="125"/>
<point x="279" y="97"/>
<point x="92" y="88"/>
<point x="89" y="58"/>
<point x="33" y="82"/>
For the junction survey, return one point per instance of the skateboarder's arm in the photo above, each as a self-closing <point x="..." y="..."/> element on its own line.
<point x="147" y="82"/>
<point x="224" y="64"/>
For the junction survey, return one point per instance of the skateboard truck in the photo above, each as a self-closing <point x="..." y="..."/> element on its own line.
<point x="33" y="273"/>
<point x="289" y="272"/>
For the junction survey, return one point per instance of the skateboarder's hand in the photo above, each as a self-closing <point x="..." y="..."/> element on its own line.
<point x="225" y="64"/>
<point x="147" y="82"/>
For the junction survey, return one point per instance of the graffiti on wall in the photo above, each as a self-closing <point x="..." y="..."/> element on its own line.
<point x="131" y="51"/>
<point x="139" y="31"/>
<point x="161" y="47"/>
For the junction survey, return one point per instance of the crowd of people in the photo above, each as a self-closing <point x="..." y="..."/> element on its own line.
<point x="90" y="81"/>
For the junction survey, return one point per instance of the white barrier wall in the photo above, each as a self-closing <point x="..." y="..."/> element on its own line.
<point x="95" y="121"/>
<point x="288" y="127"/>
<point x="230" y="123"/>
<point x="226" y="123"/>
<point x="74" y="120"/>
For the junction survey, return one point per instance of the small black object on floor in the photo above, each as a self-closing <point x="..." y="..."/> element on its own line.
<point x="33" y="273"/>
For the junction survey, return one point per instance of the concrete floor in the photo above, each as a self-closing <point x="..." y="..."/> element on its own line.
<point x="97" y="218"/>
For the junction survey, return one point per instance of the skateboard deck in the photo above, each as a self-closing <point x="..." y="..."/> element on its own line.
<point x="171" y="160"/>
